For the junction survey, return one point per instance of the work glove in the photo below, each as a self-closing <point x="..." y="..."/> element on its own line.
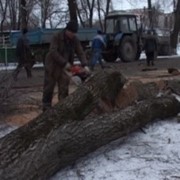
<point x="67" y="67"/>
<point x="87" y="70"/>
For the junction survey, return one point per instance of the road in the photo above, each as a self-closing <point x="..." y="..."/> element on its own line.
<point x="132" y="69"/>
<point x="27" y="100"/>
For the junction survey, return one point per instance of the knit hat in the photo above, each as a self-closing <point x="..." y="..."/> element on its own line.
<point x="72" y="26"/>
<point x="99" y="32"/>
<point x="24" y="30"/>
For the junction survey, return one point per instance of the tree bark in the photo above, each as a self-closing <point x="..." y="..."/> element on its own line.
<point x="23" y="13"/>
<point x="64" y="145"/>
<point x="32" y="151"/>
<point x="73" y="10"/>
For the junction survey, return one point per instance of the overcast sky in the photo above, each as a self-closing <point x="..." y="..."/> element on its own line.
<point x="128" y="4"/>
<point x="133" y="4"/>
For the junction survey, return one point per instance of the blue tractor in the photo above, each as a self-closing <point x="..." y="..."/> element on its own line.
<point x="122" y="36"/>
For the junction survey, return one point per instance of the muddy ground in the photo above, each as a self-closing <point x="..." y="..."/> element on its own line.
<point x="26" y="94"/>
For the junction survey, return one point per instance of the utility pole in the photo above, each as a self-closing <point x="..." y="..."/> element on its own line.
<point x="150" y="14"/>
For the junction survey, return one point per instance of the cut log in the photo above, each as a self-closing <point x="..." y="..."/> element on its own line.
<point x="173" y="86"/>
<point x="137" y="91"/>
<point x="64" y="145"/>
<point x="30" y="151"/>
<point x="132" y="92"/>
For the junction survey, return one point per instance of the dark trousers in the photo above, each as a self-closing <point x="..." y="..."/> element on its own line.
<point x="150" y="56"/>
<point x="96" y="57"/>
<point x="50" y="80"/>
<point x="20" y="66"/>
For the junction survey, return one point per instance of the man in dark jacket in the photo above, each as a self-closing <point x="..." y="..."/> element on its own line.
<point x="23" y="55"/>
<point x="58" y="60"/>
<point x="150" y="48"/>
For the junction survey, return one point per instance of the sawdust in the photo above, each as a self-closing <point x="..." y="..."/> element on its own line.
<point x="28" y="105"/>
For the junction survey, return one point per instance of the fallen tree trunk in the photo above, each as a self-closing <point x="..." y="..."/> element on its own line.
<point x="75" y="139"/>
<point x="25" y="153"/>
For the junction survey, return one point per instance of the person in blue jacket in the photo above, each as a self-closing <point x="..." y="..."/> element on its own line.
<point x="98" y="43"/>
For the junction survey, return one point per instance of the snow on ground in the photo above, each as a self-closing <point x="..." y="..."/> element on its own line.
<point x="154" y="155"/>
<point x="12" y="66"/>
<point x="5" y="129"/>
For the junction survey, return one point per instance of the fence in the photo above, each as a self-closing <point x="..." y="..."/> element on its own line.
<point x="7" y="52"/>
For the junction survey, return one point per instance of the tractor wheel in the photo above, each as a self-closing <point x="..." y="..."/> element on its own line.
<point x="109" y="56"/>
<point x="128" y="49"/>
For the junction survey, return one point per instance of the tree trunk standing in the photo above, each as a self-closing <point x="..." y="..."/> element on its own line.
<point x="91" y="11"/>
<point x="108" y="3"/>
<point x="43" y="13"/>
<point x="14" y="14"/>
<point x="3" y="10"/>
<point x="32" y="151"/>
<point x="73" y="10"/>
<point x="176" y="28"/>
<point x="23" y="14"/>
<point x="150" y="14"/>
<point x="99" y="15"/>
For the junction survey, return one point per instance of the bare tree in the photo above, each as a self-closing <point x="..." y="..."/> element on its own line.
<point x="87" y="10"/>
<point x="14" y="16"/>
<point x="82" y="11"/>
<point x="176" y="28"/>
<point x="45" y="5"/>
<point x="3" y="10"/>
<point x="109" y="2"/>
<point x="23" y="14"/>
<point x="50" y="12"/>
<point x="72" y="10"/>
<point x="58" y="13"/>
<point x="103" y="9"/>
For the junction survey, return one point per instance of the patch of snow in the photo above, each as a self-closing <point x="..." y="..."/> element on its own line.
<point x="12" y="66"/>
<point x="154" y="155"/>
<point x="178" y="49"/>
<point x="143" y="55"/>
<point x="176" y="96"/>
<point x="6" y="129"/>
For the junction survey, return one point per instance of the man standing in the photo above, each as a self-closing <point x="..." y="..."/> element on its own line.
<point x="23" y="55"/>
<point x="98" y="44"/>
<point x="150" y="48"/>
<point x="58" y="60"/>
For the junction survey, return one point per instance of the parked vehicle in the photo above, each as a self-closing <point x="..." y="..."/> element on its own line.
<point x="125" y="40"/>
<point x="122" y="36"/>
<point x="41" y="38"/>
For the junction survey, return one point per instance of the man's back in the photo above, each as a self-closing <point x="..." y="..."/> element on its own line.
<point x="150" y="45"/>
<point x="98" y="42"/>
<point x="22" y="46"/>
